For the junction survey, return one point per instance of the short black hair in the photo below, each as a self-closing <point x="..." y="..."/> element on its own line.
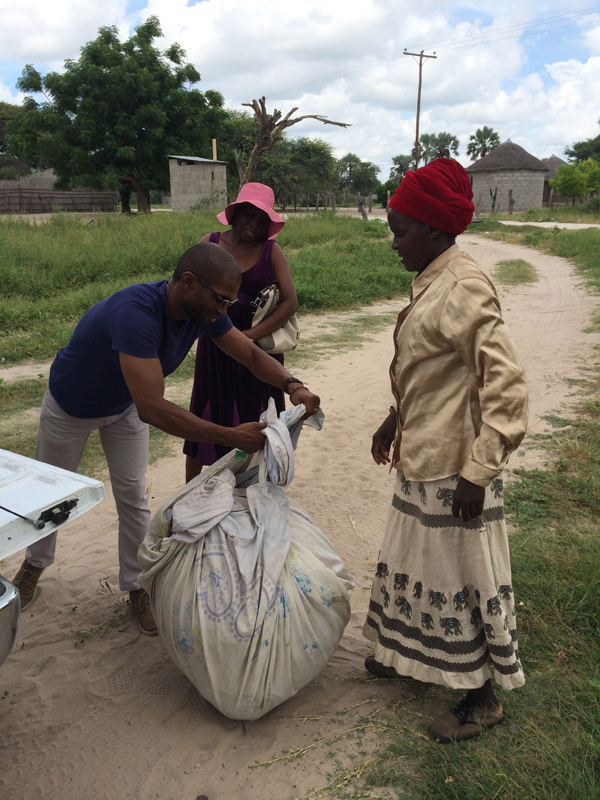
<point x="209" y="260"/>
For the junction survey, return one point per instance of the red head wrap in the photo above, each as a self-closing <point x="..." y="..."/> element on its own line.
<point x="438" y="194"/>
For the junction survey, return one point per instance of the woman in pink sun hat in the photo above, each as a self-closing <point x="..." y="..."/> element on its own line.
<point x="224" y="391"/>
<point x="260" y="196"/>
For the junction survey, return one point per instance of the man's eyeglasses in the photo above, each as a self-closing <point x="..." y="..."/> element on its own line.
<point x="221" y="301"/>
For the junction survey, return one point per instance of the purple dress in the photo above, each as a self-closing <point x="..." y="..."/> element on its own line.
<point x="224" y="391"/>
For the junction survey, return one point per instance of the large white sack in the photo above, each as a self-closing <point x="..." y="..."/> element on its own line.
<point x="249" y="596"/>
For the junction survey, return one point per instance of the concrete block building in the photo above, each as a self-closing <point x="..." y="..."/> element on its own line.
<point x="197" y="181"/>
<point x="507" y="179"/>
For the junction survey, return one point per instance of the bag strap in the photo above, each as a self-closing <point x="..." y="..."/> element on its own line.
<point x="271" y="288"/>
<point x="267" y="300"/>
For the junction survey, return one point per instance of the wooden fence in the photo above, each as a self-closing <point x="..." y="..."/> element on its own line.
<point x="41" y="201"/>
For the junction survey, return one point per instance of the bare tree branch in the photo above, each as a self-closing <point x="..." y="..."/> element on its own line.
<point x="269" y="128"/>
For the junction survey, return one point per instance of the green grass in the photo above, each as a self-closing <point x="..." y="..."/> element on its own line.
<point x="580" y="212"/>
<point x="515" y="271"/>
<point x="52" y="273"/>
<point x="21" y="395"/>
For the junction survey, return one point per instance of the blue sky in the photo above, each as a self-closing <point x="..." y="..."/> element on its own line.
<point x="529" y="69"/>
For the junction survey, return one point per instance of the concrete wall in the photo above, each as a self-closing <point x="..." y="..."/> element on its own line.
<point x="194" y="182"/>
<point x="527" y="190"/>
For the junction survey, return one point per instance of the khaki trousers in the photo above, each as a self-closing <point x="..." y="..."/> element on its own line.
<point x="125" y="441"/>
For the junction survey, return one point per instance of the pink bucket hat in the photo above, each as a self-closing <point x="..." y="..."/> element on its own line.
<point x="260" y="196"/>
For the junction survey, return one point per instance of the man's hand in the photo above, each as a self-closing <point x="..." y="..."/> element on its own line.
<point x="310" y="400"/>
<point x="382" y="440"/>
<point x="249" y="437"/>
<point x="468" y="500"/>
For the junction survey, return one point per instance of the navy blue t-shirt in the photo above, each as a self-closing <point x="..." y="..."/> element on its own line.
<point x="86" y="379"/>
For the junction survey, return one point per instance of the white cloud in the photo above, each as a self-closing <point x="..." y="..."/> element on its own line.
<point x="591" y="39"/>
<point x="7" y="94"/>
<point x="345" y="60"/>
<point x="43" y="32"/>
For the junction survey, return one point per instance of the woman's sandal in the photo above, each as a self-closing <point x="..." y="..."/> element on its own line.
<point x="378" y="669"/>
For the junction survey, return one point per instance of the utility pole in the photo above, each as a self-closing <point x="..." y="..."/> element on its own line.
<point x="420" y="56"/>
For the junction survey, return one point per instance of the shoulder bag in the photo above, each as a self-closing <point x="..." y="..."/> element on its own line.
<point x="283" y="339"/>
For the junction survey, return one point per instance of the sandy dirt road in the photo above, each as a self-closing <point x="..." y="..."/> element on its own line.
<point x="108" y="715"/>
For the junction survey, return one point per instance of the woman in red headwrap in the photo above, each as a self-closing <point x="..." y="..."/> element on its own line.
<point x="442" y="607"/>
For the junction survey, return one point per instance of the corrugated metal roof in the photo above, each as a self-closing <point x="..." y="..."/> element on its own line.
<point x="196" y="158"/>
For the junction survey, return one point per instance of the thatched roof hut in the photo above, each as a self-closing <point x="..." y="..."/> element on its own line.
<point x="507" y="179"/>
<point x="552" y="164"/>
<point x="508" y="156"/>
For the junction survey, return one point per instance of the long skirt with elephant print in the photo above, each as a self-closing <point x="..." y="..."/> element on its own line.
<point x="442" y="607"/>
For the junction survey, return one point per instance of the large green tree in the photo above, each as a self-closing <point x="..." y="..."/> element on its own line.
<point x="358" y="176"/>
<point x="112" y="117"/>
<point x="386" y="190"/>
<point x="482" y="142"/>
<point x="278" y="170"/>
<point x="588" y="148"/>
<point x="580" y="151"/>
<point x="315" y="167"/>
<point x="570" y="181"/>
<point x="298" y="170"/>
<point x="235" y="145"/>
<point x="11" y="166"/>
<point x="578" y="180"/>
<point x="7" y="113"/>
<point x="590" y="169"/>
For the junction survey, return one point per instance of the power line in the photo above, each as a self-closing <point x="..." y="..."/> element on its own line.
<point x="490" y="34"/>
<point x="445" y="45"/>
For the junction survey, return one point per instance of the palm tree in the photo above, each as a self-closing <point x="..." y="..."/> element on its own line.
<point x="437" y="145"/>
<point x="426" y="150"/>
<point x="401" y="166"/>
<point x="444" y="145"/>
<point x="482" y="142"/>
